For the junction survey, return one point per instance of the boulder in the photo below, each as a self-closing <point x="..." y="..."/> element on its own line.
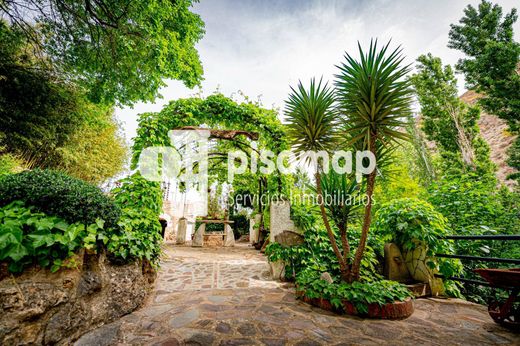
<point x="326" y="277"/>
<point x="289" y="238"/>
<point x="40" y="307"/>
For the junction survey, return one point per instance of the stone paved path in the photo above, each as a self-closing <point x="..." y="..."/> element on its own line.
<point x="224" y="297"/>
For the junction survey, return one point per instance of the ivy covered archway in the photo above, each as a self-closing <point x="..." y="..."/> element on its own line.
<point x="219" y="112"/>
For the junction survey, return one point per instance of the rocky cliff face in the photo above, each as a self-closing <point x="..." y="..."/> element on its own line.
<point x="495" y="131"/>
<point x="39" y="307"/>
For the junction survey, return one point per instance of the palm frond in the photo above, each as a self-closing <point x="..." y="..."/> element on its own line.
<point x="373" y="95"/>
<point x="311" y="117"/>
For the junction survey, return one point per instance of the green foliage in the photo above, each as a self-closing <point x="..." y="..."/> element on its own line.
<point x="373" y="96"/>
<point x="138" y="235"/>
<point x="473" y="205"/>
<point x="211" y="227"/>
<point x="312" y="121"/>
<point x="316" y="252"/>
<point x="492" y="58"/>
<point x="514" y="159"/>
<point x="96" y="151"/>
<point x="361" y="294"/>
<point x="57" y="194"/>
<point x="118" y="50"/>
<point x="48" y="123"/>
<point x="410" y="223"/>
<point x="214" y="111"/>
<point x="38" y="113"/>
<point x="9" y="164"/>
<point x="240" y="225"/>
<point x="28" y="237"/>
<point x="447" y="120"/>
<point x="343" y="197"/>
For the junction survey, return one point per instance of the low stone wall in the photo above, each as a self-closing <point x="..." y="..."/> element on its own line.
<point x="39" y="307"/>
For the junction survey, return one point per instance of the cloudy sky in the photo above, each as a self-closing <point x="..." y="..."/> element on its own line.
<point x="263" y="47"/>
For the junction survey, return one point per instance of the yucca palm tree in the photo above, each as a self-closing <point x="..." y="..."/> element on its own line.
<point x="374" y="100"/>
<point x="313" y="126"/>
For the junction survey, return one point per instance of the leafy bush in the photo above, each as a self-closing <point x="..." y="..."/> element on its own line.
<point x="361" y="294"/>
<point x="29" y="237"/>
<point x="474" y="206"/>
<point x="210" y="227"/>
<point x="58" y="194"/>
<point x="411" y="222"/>
<point x="316" y="252"/>
<point x="139" y="232"/>
<point x="9" y="163"/>
<point x="240" y="225"/>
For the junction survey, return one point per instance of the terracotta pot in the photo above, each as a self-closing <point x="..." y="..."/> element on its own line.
<point x="389" y="311"/>
<point x="325" y="304"/>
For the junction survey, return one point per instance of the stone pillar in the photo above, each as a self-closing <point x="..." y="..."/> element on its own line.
<point x="229" y="237"/>
<point x="168" y="209"/>
<point x="254" y="233"/>
<point x="181" y="231"/>
<point x="280" y="219"/>
<point x="198" y="237"/>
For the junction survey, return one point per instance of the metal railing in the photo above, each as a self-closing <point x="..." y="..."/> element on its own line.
<point x="479" y="258"/>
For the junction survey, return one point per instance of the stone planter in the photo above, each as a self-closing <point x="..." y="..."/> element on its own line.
<point x="389" y="311"/>
<point x="416" y="263"/>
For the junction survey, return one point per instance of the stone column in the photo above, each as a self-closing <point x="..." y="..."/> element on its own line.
<point x="181" y="231"/>
<point x="254" y="233"/>
<point x="280" y="219"/>
<point x="229" y="236"/>
<point x="198" y="237"/>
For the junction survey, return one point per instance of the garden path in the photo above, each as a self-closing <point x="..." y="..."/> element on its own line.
<point x="225" y="297"/>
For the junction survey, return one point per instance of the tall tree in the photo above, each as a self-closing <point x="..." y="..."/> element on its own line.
<point x="47" y="123"/>
<point x="313" y="126"/>
<point x="120" y="50"/>
<point x="493" y="57"/>
<point x="448" y="121"/>
<point x="374" y="99"/>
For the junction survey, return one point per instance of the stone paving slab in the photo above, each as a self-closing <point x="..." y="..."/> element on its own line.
<point x="224" y="297"/>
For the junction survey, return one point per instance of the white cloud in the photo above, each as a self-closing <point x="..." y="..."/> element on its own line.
<point x="262" y="47"/>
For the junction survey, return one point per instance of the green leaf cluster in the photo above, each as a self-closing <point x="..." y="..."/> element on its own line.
<point x="29" y="237"/>
<point x="411" y="222"/>
<point x="58" y="194"/>
<point x="138" y="232"/>
<point x="361" y="294"/>
<point x="118" y="51"/>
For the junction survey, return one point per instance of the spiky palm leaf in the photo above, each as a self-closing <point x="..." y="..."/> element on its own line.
<point x="342" y="199"/>
<point x="312" y="126"/>
<point x="311" y="118"/>
<point x="373" y="95"/>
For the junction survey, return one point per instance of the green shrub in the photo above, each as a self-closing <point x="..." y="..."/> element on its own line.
<point x="360" y="294"/>
<point x="474" y="205"/>
<point x="138" y="235"/>
<point x="410" y="222"/>
<point x="9" y="164"/>
<point x="28" y="237"/>
<point x="57" y="194"/>
<point x="240" y="225"/>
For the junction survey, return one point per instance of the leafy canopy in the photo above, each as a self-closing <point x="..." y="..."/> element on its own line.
<point x="373" y="96"/>
<point x="448" y="121"/>
<point x="493" y="58"/>
<point x="118" y="50"/>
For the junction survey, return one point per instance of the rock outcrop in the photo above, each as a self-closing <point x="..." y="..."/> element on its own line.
<point x="40" y="307"/>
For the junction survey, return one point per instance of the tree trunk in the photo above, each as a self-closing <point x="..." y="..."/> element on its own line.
<point x="342" y="263"/>
<point x="356" y="265"/>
